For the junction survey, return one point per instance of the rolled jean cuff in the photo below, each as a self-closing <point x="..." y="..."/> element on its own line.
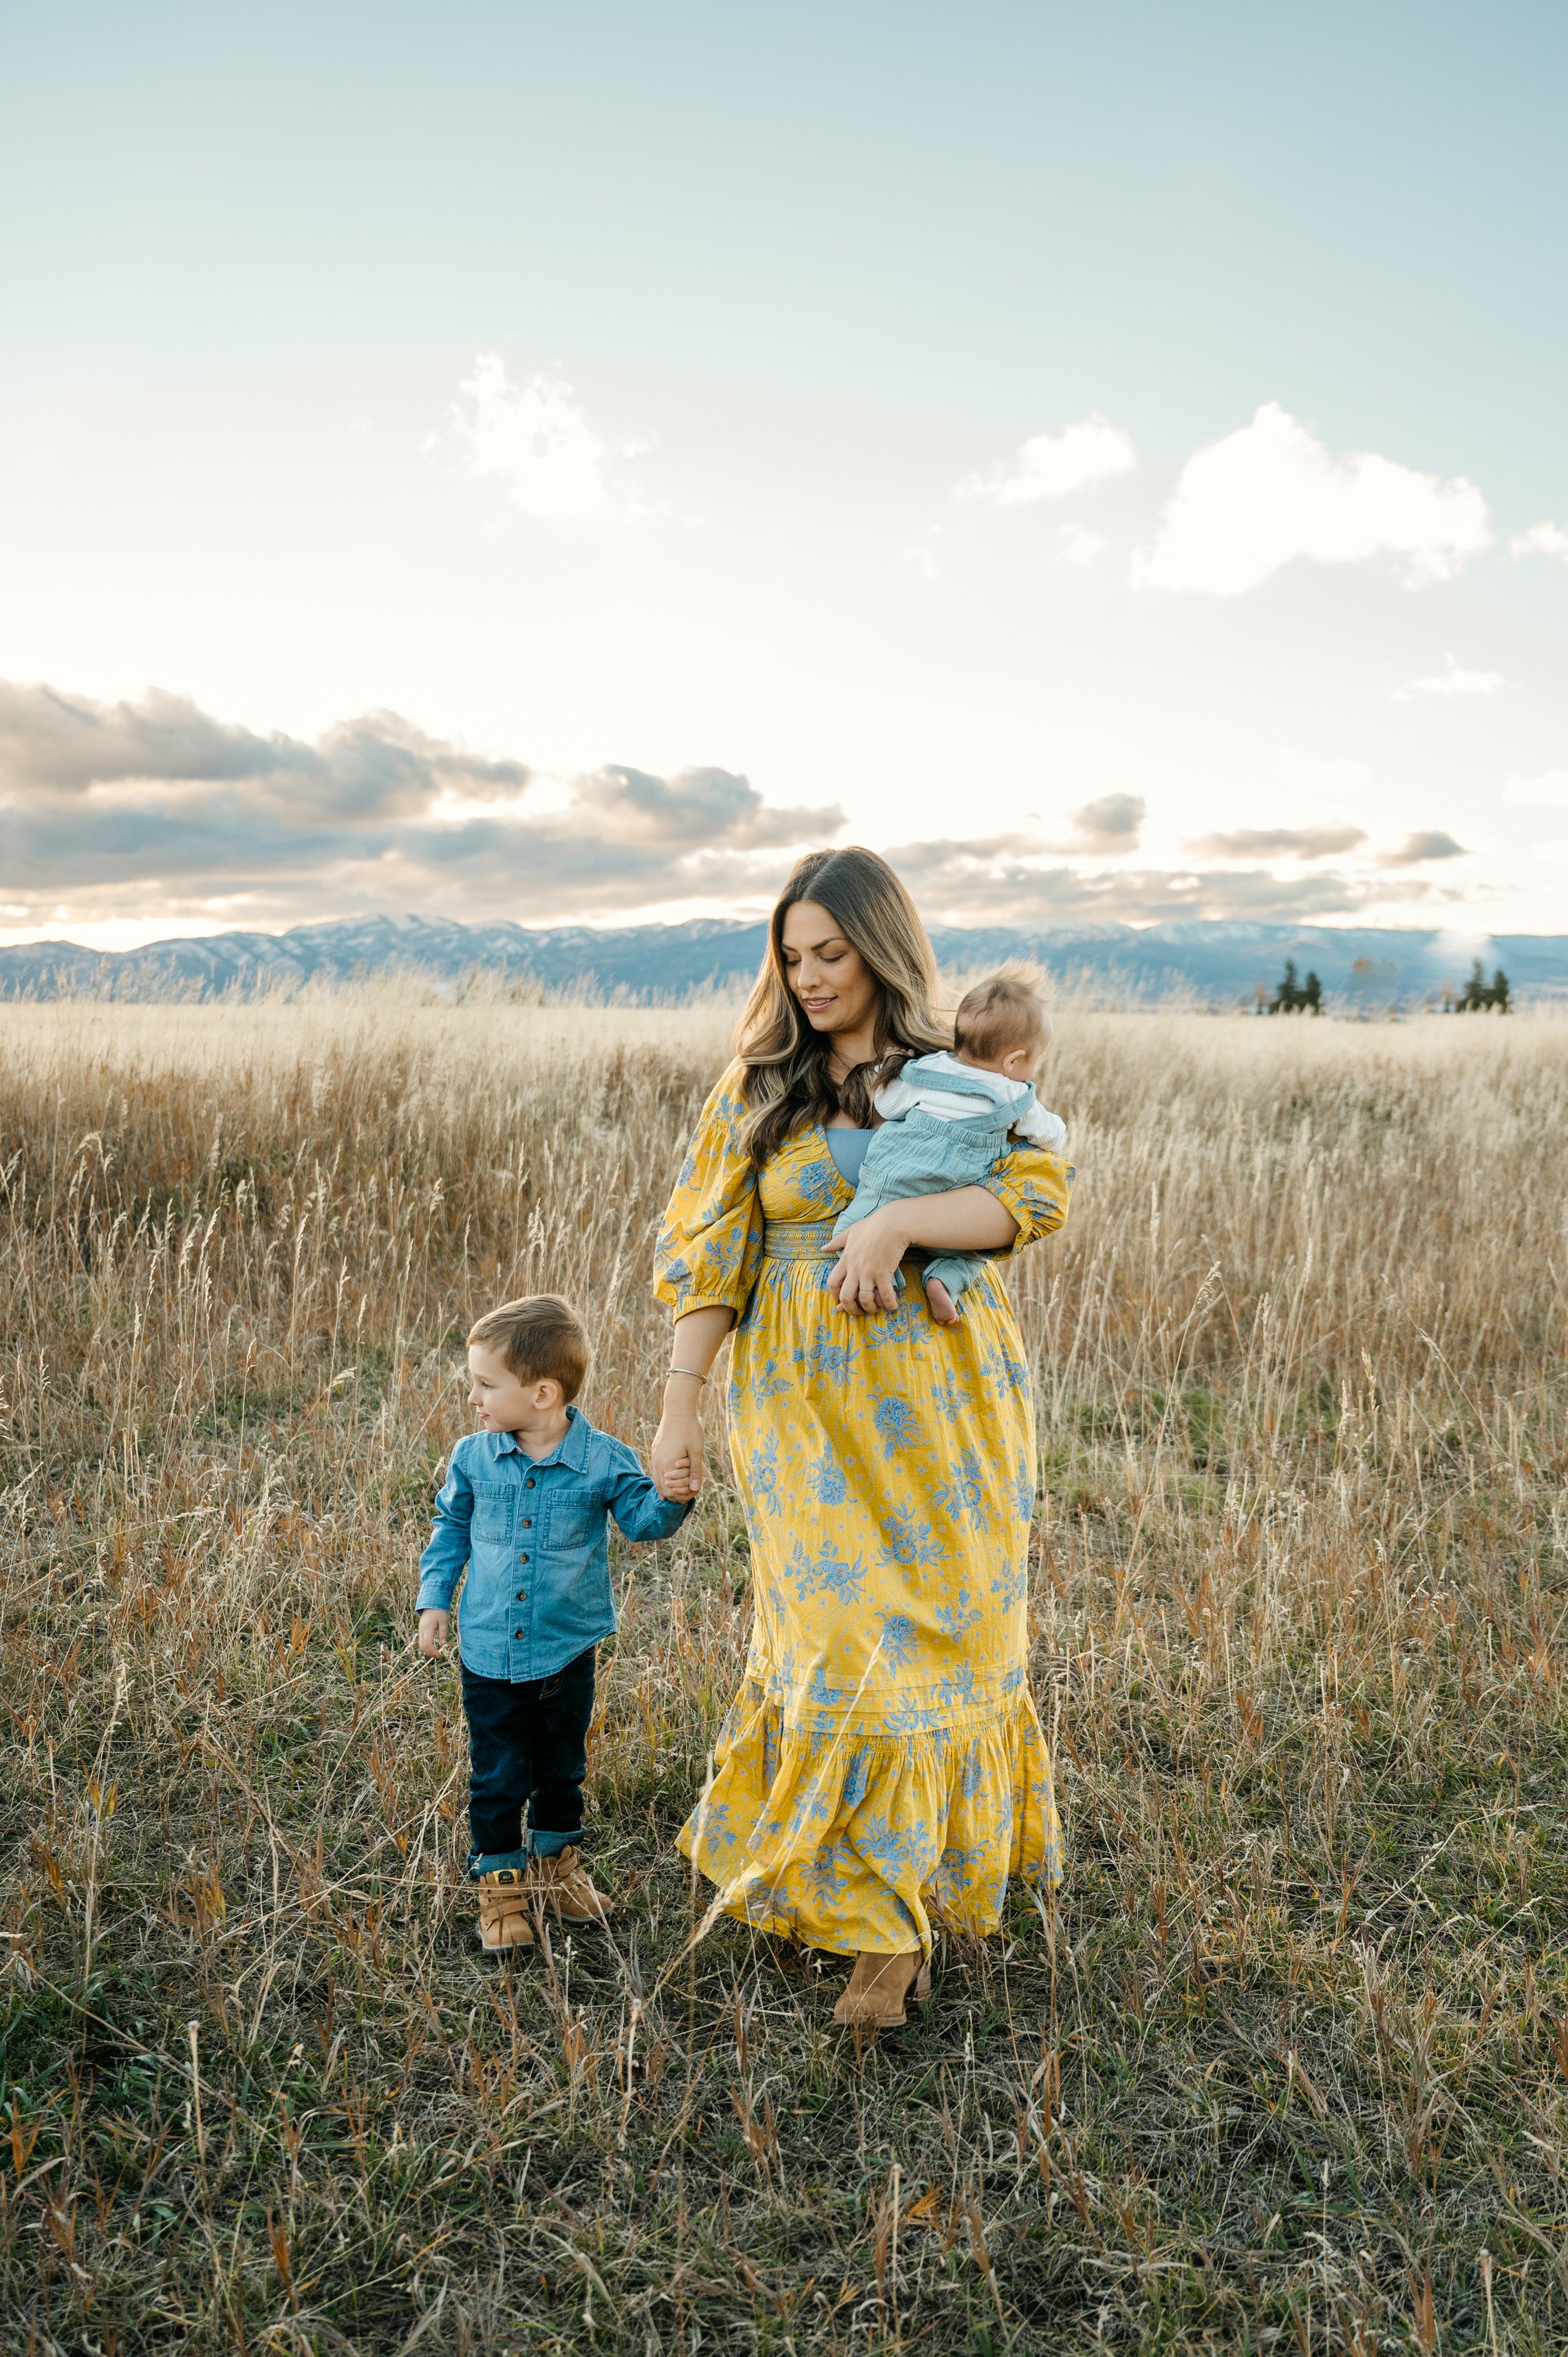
<point x="491" y="1861"/>
<point x="545" y="1842"/>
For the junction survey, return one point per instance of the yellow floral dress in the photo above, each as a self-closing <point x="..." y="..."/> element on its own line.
<point x="882" y="1765"/>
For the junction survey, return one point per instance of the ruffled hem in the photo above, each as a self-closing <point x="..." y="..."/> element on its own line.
<point x="859" y="1843"/>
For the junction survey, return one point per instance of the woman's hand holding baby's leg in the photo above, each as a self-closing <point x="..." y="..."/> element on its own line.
<point x="865" y="1278"/>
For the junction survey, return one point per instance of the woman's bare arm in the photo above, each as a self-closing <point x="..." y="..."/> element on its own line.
<point x="964" y="1219"/>
<point x="676" y="1459"/>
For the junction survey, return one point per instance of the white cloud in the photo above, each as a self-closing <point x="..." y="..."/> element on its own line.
<point x="1428" y="842"/>
<point x="1247" y="505"/>
<point x="1003" y="878"/>
<point x="1049" y="466"/>
<point x="1080" y="545"/>
<point x="1452" y="681"/>
<point x="1304" y="842"/>
<point x="535" y="440"/>
<point x="1547" y="792"/>
<point x="1540" y="540"/>
<point x="1106" y="829"/>
<point x="159" y="800"/>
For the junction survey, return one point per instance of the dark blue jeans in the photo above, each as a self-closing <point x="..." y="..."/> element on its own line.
<point x="528" y="1750"/>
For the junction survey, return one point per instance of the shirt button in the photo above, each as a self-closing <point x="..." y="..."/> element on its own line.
<point x="522" y="1558"/>
<point x="517" y="1634"/>
<point x="522" y="1596"/>
<point x="528" y="1483"/>
<point x="528" y="1522"/>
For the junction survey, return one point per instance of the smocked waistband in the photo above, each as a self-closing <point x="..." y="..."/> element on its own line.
<point x="798" y="1239"/>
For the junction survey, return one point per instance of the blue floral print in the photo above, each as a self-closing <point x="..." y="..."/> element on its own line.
<point x="882" y="1758"/>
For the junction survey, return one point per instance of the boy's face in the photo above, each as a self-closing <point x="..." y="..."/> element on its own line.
<point x="502" y="1400"/>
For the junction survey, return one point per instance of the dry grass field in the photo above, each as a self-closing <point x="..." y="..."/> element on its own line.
<point x="1285" y="2068"/>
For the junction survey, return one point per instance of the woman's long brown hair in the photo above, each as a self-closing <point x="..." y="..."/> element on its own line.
<point x="787" y="1083"/>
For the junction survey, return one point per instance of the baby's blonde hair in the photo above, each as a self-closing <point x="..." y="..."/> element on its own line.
<point x="1003" y="1011"/>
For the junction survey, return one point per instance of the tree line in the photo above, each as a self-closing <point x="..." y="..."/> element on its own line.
<point x="1293" y="997"/>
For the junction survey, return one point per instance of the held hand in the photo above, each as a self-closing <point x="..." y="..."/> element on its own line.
<point x="869" y="1254"/>
<point x="675" y="1459"/>
<point x="433" y="1626"/>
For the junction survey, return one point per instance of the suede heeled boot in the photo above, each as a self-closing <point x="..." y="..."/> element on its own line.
<point x="880" y="1987"/>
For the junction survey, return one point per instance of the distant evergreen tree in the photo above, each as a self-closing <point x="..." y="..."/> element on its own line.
<point x="1478" y="994"/>
<point x="1293" y="997"/>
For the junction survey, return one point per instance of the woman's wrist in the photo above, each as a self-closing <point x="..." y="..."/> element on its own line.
<point x="897" y="1226"/>
<point x="694" y="1345"/>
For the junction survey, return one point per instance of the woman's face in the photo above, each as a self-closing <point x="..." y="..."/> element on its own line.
<point x="826" y="973"/>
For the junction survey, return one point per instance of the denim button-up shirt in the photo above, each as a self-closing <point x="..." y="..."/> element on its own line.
<point x="531" y="1533"/>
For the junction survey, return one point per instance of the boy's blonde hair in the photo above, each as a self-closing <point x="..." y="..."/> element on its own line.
<point x="540" y="1338"/>
<point x="1003" y="1011"/>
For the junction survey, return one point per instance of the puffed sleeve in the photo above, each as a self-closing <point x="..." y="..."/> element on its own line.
<point x="711" y="1243"/>
<point x="1036" y="1186"/>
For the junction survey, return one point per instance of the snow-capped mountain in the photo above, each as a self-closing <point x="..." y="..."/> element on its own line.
<point x="1218" y="963"/>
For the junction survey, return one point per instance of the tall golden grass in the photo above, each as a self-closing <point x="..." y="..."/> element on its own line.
<point x="1286" y="2065"/>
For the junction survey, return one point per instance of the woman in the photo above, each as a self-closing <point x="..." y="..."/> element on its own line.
<point x="883" y="1763"/>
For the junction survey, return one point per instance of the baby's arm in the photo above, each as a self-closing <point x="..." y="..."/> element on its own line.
<point x="1042" y="1128"/>
<point x="442" y="1564"/>
<point x="895" y="1097"/>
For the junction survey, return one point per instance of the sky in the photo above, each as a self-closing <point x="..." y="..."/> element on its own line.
<point x="504" y="460"/>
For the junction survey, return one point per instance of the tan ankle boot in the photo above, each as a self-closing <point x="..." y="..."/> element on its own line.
<point x="564" y="1885"/>
<point x="503" y="1909"/>
<point x="880" y="1987"/>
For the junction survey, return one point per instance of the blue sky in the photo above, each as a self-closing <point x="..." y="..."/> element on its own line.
<point x="694" y="395"/>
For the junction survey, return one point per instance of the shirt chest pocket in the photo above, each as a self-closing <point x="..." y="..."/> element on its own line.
<point x="493" y="1508"/>
<point x="573" y="1520"/>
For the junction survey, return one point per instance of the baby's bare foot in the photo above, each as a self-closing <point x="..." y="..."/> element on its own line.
<point x="943" y="1307"/>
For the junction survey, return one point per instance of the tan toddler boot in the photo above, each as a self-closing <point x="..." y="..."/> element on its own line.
<point x="564" y="1888"/>
<point x="503" y="1909"/>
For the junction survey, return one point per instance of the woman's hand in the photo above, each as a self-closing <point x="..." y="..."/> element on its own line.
<point x="433" y="1626"/>
<point x="863" y="1282"/>
<point x="675" y="1460"/>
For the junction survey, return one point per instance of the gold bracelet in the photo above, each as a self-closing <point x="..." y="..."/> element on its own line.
<point x="696" y="1378"/>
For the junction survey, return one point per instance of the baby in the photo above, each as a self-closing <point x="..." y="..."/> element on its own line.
<point x="947" y="1117"/>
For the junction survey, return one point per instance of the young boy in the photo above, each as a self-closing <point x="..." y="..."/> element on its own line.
<point x="947" y="1117"/>
<point x="524" y="1507"/>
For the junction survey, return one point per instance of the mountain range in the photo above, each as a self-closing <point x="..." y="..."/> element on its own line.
<point x="1217" y="964"/>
